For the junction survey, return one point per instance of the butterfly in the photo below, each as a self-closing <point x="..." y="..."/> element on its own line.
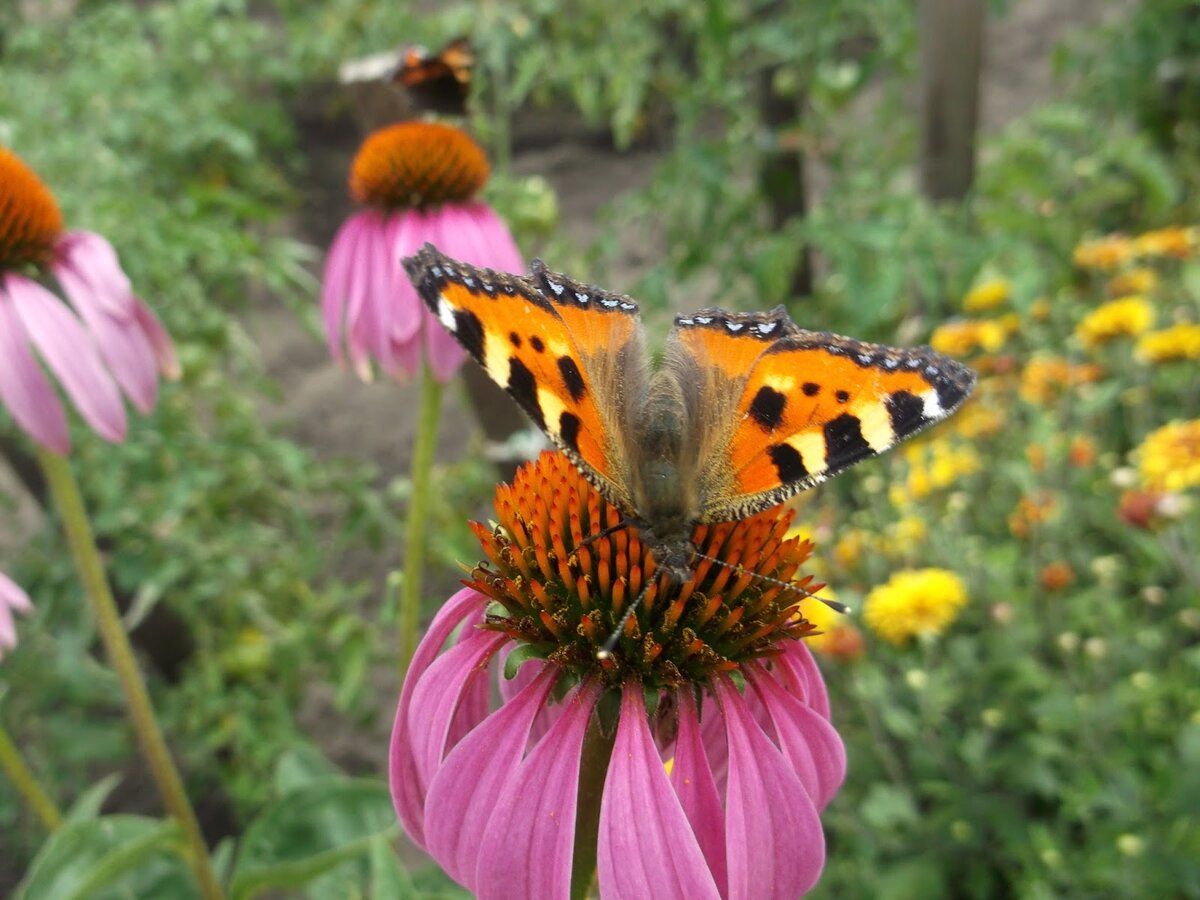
<point x="437" y="82"/>
<point x="746" y="410"/>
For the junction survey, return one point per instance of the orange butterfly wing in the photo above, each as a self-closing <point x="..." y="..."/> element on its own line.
<point x="790" y="408"/>
<point x="569" y="354"/>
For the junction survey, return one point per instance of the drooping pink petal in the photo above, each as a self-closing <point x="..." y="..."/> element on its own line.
<point x="24" y="388"/>
<point x="408" y="232"/>
<point x="160" y="341"/>
<point x="696" y="788"/>
<point x="408" y="789"/>
<point x="12" y="599"/>
<point x="716" y="746"/>
<point x="93" y="257"/>
<point x="807" y="739"/>
<point x="120" y="338"/>
<point x="368" y="306"/>
<point x="444" y="352"/>
<point x="335" y="286"/>
<point x="465" y="789"/>
<point x="775" y="847"/>
<point x="436" y="697"/>
<point x="71" y="356"/>
<point x="527" y="848"/>
<point x="801" y="675"/>
<point x="646" y="846"/>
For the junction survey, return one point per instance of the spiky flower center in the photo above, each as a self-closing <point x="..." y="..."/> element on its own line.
<point x="563" y="597"/>
<point x="417" y="164"/>
<point x="30" y="221"/>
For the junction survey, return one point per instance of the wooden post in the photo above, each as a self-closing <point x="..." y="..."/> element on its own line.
<point x="950" y="33"/>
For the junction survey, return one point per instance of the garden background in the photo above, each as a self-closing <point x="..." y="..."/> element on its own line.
<point x="1044" y="743"/>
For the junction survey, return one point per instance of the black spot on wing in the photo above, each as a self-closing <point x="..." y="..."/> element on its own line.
<point x="788" y="462"/>
<point x="811" y="389"/>
<point x="536" y="343"/>
<point x="523" y="386"/>
<point x="844" y="442"/>
<point x="514" y="339"/>
<point x="907" y="412"/>
<point x="568" y="430"/>
<point x="842" y="396"/>
<point x="572" y="378"/>
<point x="469" y="331"/>
<point x="767" y="408"/>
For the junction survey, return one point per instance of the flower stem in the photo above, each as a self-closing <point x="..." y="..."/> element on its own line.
<point x="593" y="767"/>
<point x="65" y="491"/>
<point x="424" y="450"/>
<point x="26" y="783"/>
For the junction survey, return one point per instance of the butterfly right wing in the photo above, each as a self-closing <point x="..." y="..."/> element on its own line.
<point x="570" y="354"/>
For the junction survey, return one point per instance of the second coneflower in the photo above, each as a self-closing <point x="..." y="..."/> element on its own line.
<point x="416" y="182"/>
<point x="565" y="781"/>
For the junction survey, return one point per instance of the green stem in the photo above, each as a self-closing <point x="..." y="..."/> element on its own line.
<point x="65" y="491"/>
<point x="424" y="450"/>
<point x="26" y="783"/>
<point x="593" y="766"/>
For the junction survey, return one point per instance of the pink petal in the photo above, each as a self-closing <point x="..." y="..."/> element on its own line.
<point x="71" y="356"/>
<point x="465" y="789"/>
<point x="408" y="232"/>
<point x="8" y="630"/>
<point x="647" y="847"/>
<point x="801" y="675"/>
<point x="697" y="789"/>
<point x="23" y="386"/>
<point x="408" y="789"/>
<point x="528" y="846"/>
<point x="336" y="283"/>
<point x="435" y="700"/>
<point x="806" y="738"/>
<point x="119" y="338"/>
<point x="94" y="258"/>
<point x="774" y="844"/>
<point x="160" y="341"/>
<point x="12" y="596"/>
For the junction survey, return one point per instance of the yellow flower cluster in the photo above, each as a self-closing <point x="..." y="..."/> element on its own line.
<point x="1141" y="280"/>
<point x="1169" y="458"/>
<point x="914" y="602"/>
<point x="964" y="337"/>
<point x="1180" y="341"/>
<point x="987" y="295"/>
<point x="1127" y="316"/>
<point x="1115" y="250"/>
<point x="1045" y="376"/>
<point x="932" y="466"/>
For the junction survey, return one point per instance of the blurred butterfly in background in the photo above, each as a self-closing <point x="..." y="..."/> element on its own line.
<point x="437" y="82"/>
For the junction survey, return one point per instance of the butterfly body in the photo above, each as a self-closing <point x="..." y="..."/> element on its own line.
<point x="746" y="410"/>
<point x="438" y="82"/>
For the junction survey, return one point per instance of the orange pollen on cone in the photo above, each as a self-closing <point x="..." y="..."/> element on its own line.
<point x="565" y="597"/>
<point x="417" y="164"/>
<point x="30" y="221"/>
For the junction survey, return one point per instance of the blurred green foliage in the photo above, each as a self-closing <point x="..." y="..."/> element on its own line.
<point x="1047" y="747"/>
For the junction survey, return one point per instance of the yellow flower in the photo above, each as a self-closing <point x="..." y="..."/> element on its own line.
<point x="1106" y="253"/>
<point x="1180" y="341"/>
<point x="903" y="535"/>
<point x="978" y="419"/>
<point x="1040" y="309"/>
<point x="1169" y="458"/>
<point x="1044" y="376"/>
<point x="964" y="337"/>
<point x="987" y="295"/>
<point x="849" y="547"/>
<point x="913" y="602"/>
<point x="1127" y="316"/>
<point x="1174" y="241"/>
<point x="933" y="465"/>
<point x="1136" y="281"/>
<point x="827" y="620"/>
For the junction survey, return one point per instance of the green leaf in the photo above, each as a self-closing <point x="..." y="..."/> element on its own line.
<point x="87" y="805"/>
<point x="110" y="857"/>
<point x="311" y="831"/>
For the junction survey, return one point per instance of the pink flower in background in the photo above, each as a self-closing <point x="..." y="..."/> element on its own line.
<point x="417" y="181"/>
<point x="111" y="342"/>
<point x="12" y="599"/>
<point x="708" y="726"/>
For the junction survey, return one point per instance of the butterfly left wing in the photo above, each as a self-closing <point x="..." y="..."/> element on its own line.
<point x="570" y="354"/>
<point x="438" y="81"/>
<point x="782" y="409"/>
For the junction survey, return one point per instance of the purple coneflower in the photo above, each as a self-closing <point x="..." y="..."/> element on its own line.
<point x="12" y="599"/>
<point x="416" y="181"/>
<point x="118" y="346"/>
<point x="693" y="762"/>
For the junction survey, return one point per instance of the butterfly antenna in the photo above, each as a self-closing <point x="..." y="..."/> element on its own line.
<point x="605" y="532"/>
<point x="835" y="605"/>
<point x="606" y="650"/>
